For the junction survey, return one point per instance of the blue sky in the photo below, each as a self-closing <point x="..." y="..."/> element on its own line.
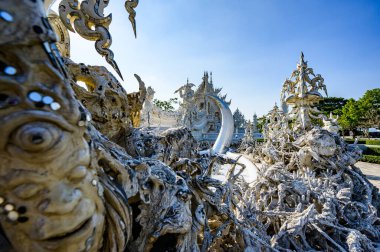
<point x="251" y="46"/>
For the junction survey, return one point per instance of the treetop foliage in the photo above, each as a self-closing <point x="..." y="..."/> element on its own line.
<point x="364" y="113"/>
<point x="332" y="105"/>
<point x="166" y="105"/>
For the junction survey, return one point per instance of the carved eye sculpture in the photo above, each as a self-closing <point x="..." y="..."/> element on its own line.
<point x="36" y="137"/>
<point x="30" y="140"/>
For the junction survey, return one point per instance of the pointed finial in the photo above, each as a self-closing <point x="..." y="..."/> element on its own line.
<point x="187" y="80"/>
<point x="130" y="6"/>
<point x="275" y="106"/>
<point x="302" y="60"/>
<point x="211" y="77"/>
<point x="110" y="60"/>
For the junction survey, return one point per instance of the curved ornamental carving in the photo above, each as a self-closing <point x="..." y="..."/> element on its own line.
<point x="88" y="20"/>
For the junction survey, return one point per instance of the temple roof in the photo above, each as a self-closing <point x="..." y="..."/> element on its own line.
<point x="207" y="87"/>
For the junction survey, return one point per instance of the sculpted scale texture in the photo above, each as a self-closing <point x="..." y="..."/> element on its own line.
<point x="75" y="175"/>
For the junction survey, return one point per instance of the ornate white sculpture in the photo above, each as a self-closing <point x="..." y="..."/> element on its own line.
<point x="75" y="175"/>
<point x="310" y="194"/>
<point x="199" y="112"/>
<point x="301" y="92"/>
<point x="331" y="124"/>
<point x="147" y="111"/>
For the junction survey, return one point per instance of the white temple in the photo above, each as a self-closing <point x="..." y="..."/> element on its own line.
<point x="200" y="113"/>
<point x="197" y="111"/>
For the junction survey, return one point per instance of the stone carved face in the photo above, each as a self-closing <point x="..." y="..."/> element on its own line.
<point x="108" y="112"/>
<point x="105" y="98"/>
<point x="44" y="169"/>
<point x="167" y="211"/>
<point x="50" y="199"/>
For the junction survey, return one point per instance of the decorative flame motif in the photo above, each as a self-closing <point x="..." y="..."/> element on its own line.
<point x="88" y="20"/>
<point x="130" y="5"/>
<point x="301" y="85"/>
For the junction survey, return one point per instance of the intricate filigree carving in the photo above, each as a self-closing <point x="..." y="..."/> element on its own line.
<point x="88" y="20"/>
<point x="301" y="92"/>
<point x="71" y="183"/>
<point x="136" y="101"/>
<point x="309" y="193"/>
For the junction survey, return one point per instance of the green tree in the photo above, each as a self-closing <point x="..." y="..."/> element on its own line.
<point x="166" y="105"/>
<point x="260" y="123"/>
<point x="369" y="105"/>
<point x="349" y="120"/>
<point x="332" y="105"/>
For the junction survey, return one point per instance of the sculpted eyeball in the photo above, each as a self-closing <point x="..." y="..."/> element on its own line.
<point x="30" y="140"/>
<point x="36" y="137"/>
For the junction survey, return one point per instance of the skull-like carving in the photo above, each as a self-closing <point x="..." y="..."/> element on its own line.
<point x="165" y="208"/>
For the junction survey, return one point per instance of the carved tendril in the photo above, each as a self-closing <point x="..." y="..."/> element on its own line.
<point x="88" y="20"/>
<point x="129" y="6"/>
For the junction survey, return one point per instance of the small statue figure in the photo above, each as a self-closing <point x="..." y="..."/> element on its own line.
<point x="331" y="124"/>
<point x="148" y="107"/>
